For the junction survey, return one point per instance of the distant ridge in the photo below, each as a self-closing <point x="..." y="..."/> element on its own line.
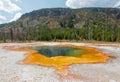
<point x="55" y="17"/>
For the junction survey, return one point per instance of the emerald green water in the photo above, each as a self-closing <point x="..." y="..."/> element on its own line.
<point x="52" y="51"/>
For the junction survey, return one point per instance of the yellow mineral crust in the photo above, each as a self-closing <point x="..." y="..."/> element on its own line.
<point x="62" y="62"/>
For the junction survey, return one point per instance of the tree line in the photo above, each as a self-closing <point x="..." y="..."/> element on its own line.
<point x="88" y="33"/>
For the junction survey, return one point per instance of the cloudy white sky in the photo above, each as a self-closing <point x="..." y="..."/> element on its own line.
<point x="11" y="10"/>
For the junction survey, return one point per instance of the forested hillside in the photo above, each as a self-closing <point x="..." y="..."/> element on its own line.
<point x="99" y="24"/>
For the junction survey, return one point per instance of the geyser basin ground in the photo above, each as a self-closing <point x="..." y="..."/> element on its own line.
<point x="12" y="71"/>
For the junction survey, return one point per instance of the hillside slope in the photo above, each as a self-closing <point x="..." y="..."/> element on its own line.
<point x="95" y="24"/>
<point x="64" y="17"/>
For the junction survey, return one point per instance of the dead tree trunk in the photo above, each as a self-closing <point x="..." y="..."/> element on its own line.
<point x="3" y="36"/>
<point x="11" y="35"/>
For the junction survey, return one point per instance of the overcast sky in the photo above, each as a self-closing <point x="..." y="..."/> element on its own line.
<point x="11" y="10"/>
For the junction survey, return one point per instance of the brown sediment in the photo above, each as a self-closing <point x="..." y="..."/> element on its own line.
<point x="68" y="74"/>
<point x="61" y="63"/>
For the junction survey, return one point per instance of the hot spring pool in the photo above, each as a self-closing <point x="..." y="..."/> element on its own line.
<point x="61" y="56"/>
<point x="52" y="51"/>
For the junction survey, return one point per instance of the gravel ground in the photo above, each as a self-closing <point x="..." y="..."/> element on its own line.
<point x="11" y="69"/>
